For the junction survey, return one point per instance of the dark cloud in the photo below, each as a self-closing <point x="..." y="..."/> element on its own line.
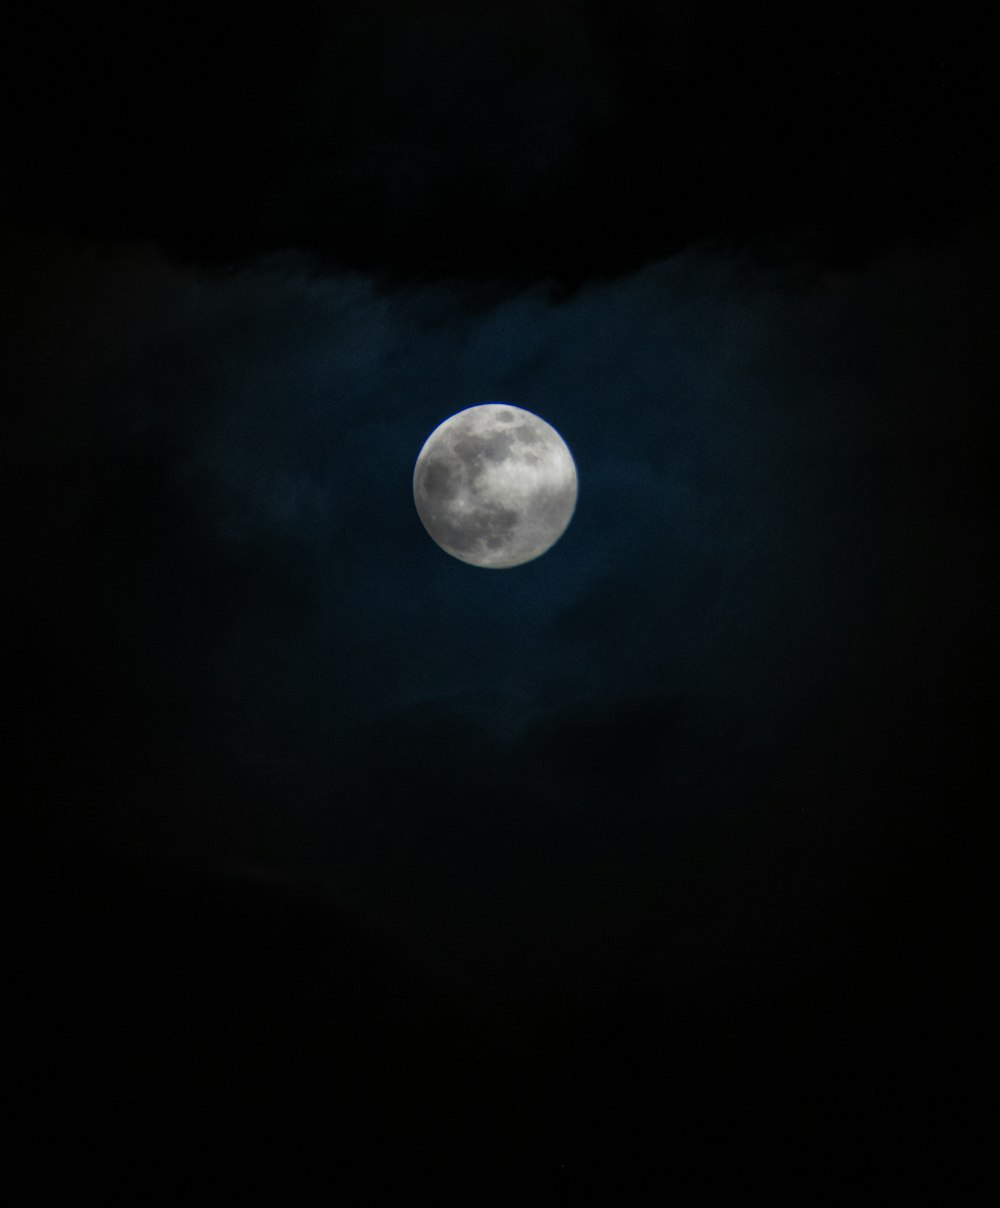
<point x="243" y="645"/>
<point x="563" y="138"/>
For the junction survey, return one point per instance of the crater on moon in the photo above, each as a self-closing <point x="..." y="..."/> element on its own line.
<point x="492" y="494"/>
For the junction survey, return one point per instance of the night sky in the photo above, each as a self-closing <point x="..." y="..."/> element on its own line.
<point x="655" y="853"/>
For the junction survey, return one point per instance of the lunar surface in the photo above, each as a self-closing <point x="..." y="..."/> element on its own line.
<point x="495" y="485"/>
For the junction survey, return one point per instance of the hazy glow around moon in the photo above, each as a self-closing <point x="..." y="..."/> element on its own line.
<point x="495" y="485"/>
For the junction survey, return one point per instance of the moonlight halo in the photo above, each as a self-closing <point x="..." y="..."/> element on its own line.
<point x="495" y="485"/>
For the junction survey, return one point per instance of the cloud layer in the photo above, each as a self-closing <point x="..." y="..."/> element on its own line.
<point x="754" y="649"/>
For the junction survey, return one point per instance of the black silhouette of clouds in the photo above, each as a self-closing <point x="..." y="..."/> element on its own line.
<point x="239" y="645"/>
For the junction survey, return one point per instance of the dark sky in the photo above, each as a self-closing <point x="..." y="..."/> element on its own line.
<point x="652" y="853"/>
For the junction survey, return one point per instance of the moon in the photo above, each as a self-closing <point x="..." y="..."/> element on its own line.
<point x="495" y="486"/>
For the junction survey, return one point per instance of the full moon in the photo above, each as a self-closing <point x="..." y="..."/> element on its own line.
<point x="495" y="485"/>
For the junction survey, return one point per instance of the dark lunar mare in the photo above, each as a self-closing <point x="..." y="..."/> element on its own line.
<point x="491" y="526"/>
